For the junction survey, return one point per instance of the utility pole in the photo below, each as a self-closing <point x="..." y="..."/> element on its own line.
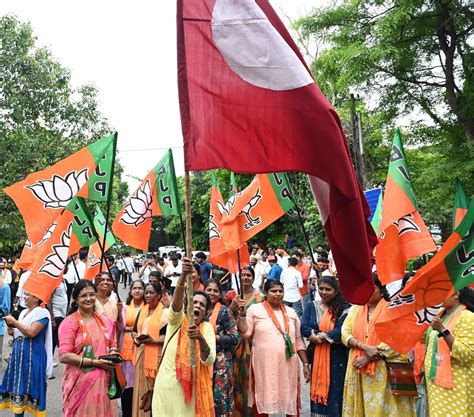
<point x="356" y="144"/>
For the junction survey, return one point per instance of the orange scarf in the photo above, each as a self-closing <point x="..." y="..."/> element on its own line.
<point x="361" y="326"/>
<point x="321" y="375"/>
<point x="204" y="406"/>
<point x="127" y="351"/>
<point x="441" y="372"/>
<point x="213" y="318"/>
<point x="289" y="346"/>
<point x="152" y="352"/>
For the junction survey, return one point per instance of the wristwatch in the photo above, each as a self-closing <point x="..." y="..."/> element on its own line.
<point x="444" y="333"/>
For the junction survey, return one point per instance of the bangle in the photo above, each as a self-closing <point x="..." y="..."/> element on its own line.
<point x="82" y="360"/>
<point x="92" y="362"/>
<point x="180" y="285"/>
<point x="306" y="363"/>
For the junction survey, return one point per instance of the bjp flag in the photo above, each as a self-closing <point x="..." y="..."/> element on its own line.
<point x="461" y="204"/>
<point x="266" y="199"/>
<point x="403" y="234"/>
<point x="73" y="230"/>
<point x="157" y="195"/>
<point x="95" y="253"/>
<point x="43" y="195"/>
<point x="218" y="253"/>
<point x="407" y="316"/>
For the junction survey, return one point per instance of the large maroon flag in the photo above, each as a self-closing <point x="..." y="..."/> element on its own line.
<point x="250" y="104"/>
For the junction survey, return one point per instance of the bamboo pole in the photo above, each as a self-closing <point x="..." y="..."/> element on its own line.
<point x="189" y="279"/>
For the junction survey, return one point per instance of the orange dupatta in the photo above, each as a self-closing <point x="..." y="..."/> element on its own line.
<point x="361" y="326"/>
<point x="152" y="352"/>
<point x="127" y="351"/>
<point x="214" y="315"/>
<point x="289" y="347"/>
<point x="321" y="375"/>
<point x="204" y="406"/>
<point x="441" y="372"/>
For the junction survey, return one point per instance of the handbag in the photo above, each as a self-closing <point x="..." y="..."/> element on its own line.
<point x="401" y="379"/>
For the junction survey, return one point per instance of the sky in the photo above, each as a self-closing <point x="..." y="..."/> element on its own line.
<point x="129" y="53"/>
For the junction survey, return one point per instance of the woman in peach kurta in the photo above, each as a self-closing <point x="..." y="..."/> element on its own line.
<point x="275" y="369"/>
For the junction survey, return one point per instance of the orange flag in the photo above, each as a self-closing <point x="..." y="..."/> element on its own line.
<point x="73" y="230"/>
<point x="42" y="195"/>
<point x="218" y="254"/>
<point x="407" y="316"/>
<point x="157" y="195"/>
<point x="402" y="232"/>
<point x="266" y="199"/>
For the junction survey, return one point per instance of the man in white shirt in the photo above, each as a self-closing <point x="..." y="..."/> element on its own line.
<point x="261" y="268"/>
<point x="128" y="266"/>
<point x="20" y="294"/>
<point x="292" y="281"/>
<point x="173" y="271"/>
<point x="57" y="306"/>
<point x="148" y="266"/>
<point x="81" y="264"/>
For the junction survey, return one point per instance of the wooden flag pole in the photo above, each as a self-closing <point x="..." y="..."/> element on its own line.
<point x="189" y="279"/>
<point x="109" y="197"/>
<point x="183" y="233"/>
<point x="238" y="281"/>
<point x="75" y="268"/>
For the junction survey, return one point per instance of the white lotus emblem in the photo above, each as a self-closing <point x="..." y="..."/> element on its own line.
<point x="55" y="262"/>
<point x="58" y="192"/>
<point x="93" y="260"/>
<point x="138" y="209"/>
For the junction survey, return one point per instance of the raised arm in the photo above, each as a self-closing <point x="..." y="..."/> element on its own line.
<point x="178" y="296"/>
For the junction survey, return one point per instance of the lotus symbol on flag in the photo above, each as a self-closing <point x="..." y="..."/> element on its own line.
<point x="251" y="222"/>
<point x="58" y="192"/>
<point x="138" y="208"/>
<point x="213" y="230"/>
<point x="93" y="260"/>
<point x="55" y="262"/>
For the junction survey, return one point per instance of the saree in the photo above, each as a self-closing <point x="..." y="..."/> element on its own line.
<point x="242" y="369"/>
<point x="85" y="393"/>
<point x="24" y="382"/>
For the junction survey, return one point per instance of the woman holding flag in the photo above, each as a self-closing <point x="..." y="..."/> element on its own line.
<point x="276" y="339"/>
<point x="321" y="325"/>
<point x="180" y="389"/>
<point x="227" y="337"/>
<point x="449" y="359"/>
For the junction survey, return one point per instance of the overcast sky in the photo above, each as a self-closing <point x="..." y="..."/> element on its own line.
<point x="128" y="51"/>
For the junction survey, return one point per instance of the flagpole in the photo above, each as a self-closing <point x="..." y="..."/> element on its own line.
<point x="183" y="233"/>
<point x="239" y="278"/>
<point x="75" y="268"/>
<point x="107" y="266"/>
<point x="189" y="278"/>
<point x="109" y="197"/>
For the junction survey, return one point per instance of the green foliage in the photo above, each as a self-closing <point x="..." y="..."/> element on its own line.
<point x="408" y="60"/>
<point x="42" y="119"/>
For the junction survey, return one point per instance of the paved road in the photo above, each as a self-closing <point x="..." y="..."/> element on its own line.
<point x="54" y="395"/>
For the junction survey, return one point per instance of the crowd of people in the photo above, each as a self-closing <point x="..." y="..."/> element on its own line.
<point x="250" y="345"/>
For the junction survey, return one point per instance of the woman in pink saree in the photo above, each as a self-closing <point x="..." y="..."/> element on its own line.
<point x="83" y="337"/>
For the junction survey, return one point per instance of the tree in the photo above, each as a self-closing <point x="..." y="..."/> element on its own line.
<point x="42" y="119"/>
<point x="410" y="60"/>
